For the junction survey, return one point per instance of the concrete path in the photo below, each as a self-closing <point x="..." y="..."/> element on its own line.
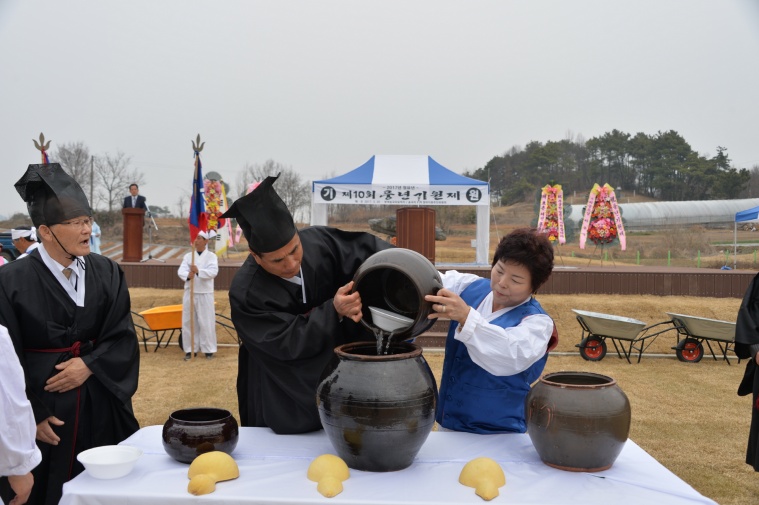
<point x="115" y="251"/>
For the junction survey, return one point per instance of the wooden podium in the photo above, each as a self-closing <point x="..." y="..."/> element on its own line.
<point x="415" y="230"/>
<point x="133" y="222"/>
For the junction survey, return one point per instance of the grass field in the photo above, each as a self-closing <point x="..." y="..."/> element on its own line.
<point x="685" y="415"/>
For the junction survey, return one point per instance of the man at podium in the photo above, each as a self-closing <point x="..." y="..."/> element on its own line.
<point x="134" y="223"/>
<point x="135" y="200"/>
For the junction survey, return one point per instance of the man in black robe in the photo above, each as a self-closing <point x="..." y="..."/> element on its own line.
<point x="747" y="347"/>
<point x="68" y="315"/>
<point x="291" y="305"/>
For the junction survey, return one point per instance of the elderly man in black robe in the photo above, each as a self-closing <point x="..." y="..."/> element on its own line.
<point x="291" y="306"/>
<point x="68" y="315"/>
<point x="747" y="347"/>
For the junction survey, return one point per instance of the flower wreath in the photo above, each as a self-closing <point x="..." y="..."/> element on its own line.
<point x="551" y="217"/>
<point x="213" y="203"/>
<point x="602" y="222"/>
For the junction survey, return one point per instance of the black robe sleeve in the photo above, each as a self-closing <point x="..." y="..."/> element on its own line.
<point x="116" y="357"/>
<point x="747" y="323"/>
<point x="286" y="342"/>
<point x="31" y="289"/>
<point x="46" y="328"/>
<point x="746" y="335"/>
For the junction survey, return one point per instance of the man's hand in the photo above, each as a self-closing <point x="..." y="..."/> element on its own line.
<point x="22" y="486"/>
<point x="348" y="304"/>
<point x="45" y="432"/>
<point x="72" y="374"/>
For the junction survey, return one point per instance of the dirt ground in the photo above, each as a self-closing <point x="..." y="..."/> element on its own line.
<point x="693" y="246"/>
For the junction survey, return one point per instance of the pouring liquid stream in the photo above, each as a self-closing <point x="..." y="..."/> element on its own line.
<point x="383" y="340"/>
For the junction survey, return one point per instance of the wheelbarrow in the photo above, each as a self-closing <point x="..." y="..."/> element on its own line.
<point x="626" y="334"/>
<point x="693" y="331"/>
<point x="158" y="323"/>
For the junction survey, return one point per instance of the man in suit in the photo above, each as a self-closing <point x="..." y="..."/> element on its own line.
<point x="135" y="200"/>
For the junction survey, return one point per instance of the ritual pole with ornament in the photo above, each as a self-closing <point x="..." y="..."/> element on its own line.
<point x="602" y="222"/>
<point x="42" y="147"/>
<point x="197" y="222"/>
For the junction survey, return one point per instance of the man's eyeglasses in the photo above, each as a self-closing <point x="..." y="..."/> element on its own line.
<point x="80" y="223"/>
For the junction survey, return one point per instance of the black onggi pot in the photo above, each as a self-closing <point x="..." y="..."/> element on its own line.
<point x="189" y="433"/>
<point x="397" y="280"/>
<point x="377" y="410"/>
<point x="577" y="421"/>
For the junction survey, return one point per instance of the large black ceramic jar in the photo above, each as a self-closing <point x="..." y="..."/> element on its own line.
<point x="578" y="421"/>
<point x="397" y="280"/>
<point x="377" y="410"/>
<point x="189" y="433"/>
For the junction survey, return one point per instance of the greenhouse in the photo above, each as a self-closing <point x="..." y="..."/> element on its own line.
<point x="642" y="216"/>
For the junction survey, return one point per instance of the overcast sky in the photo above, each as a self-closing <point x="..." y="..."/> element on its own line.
<point x="321" y="86"/>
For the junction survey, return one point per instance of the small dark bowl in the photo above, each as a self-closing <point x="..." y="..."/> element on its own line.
<point x="189" y="433"/>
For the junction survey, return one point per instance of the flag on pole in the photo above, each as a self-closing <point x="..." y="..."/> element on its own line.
<point x="197" y="219"/>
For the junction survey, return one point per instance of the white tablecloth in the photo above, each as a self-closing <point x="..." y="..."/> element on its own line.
<point x="273" y="470"/>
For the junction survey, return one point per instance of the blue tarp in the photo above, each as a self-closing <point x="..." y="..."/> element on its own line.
<point x="751" y="214"/>
<point x="403" y="169"/>
<point x="747" y="215"/>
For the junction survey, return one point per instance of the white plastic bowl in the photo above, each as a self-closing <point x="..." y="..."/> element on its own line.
<point x="389" y="321"/>
<point x="109" y="461"/>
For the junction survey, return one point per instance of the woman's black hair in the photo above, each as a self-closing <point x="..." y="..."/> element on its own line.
<point x="528" y="247"/>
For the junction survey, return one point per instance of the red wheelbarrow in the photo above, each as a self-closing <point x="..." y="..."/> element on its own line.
<point x="693" y="331"/>
<point x="626" y="334"/>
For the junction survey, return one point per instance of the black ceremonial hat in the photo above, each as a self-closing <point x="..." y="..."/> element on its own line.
<point x="264" y="218"/>
<point x="52" y="196"/>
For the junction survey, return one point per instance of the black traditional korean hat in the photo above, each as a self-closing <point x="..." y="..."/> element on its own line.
<point x="264" y="218"/>
<point x="52" y="196"/>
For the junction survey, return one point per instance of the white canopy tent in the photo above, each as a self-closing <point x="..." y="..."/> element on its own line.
<point x="406" y="180"/>
<point x="743" y="216"/>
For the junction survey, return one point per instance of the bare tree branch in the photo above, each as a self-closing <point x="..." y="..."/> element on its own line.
<point x="183" y="204"/>
<point x="113" y="176"/>
<point x="294" y="191"/>
<point x="74" y="157"/>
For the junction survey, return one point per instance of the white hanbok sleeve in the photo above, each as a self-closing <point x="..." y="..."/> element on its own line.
<point x="505" y="351"/>
<point x="184" y="268"/>
<point x="456" y="281"/>
<point x="499" y="351"/>
<point x="208" y="268"/>
<point x="18" y="450"/>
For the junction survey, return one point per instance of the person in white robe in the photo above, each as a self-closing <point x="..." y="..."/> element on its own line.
<point x="200" y="275"/>
<point x="25" y="240"/>
<point x="95" y="238"/>
<point x="18" y="450"/>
